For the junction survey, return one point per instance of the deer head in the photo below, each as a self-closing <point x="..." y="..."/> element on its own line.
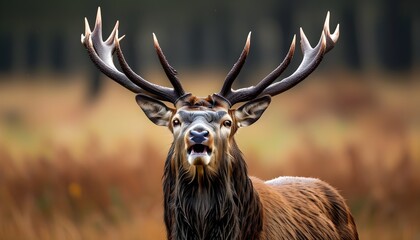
<point x="203" y="128"/>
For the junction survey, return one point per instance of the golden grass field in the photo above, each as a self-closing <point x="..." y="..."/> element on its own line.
<point x="74" y="169"/>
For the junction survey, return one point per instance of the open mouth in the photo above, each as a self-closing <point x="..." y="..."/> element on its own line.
<point x="199" y="154"/>
<point x="199" y="149"/>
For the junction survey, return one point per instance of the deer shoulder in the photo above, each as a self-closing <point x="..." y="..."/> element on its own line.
<point x="314" y="209"/>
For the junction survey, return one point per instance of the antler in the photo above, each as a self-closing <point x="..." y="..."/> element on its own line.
<point x="101" y="53"/>
<point x="311" y="59"/>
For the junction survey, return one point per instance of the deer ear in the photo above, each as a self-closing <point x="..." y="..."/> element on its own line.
<point x="251" y="111"/>
<point x="155" y="110"/>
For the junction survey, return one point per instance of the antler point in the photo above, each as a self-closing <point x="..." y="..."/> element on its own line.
<point x="155" y="41"/>
<point x="87" y="27"/>
<point x="336" y="34"/>
<point x="304" y="42"/>
<point x="248" y="42"/>
<point x="337" y="30"/>
<point x="293" y="44"/>
<point x="327" y="23"/>
<point x="98" y="16"/>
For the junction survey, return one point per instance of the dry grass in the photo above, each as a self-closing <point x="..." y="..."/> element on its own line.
<point x="70" y="169"/>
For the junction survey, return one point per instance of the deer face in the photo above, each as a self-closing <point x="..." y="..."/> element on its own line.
<point x="202" y="127"/>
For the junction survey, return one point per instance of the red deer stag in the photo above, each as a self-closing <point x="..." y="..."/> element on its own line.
<point x="207" y="191"/>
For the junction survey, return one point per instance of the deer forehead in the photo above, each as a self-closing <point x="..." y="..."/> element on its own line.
<point x="209" y="115"/>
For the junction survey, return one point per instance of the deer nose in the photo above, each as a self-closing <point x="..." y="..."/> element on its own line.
<point x="199" y="135"/>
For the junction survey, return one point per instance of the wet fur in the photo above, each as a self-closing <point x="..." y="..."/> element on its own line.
<point x="227" y="204"/>
<point x="216" y="207"/>
<point x="223" y="202"/>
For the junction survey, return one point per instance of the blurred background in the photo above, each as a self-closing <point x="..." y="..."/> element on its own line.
<point x="79" y="160"/>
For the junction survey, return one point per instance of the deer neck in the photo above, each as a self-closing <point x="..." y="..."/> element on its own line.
<point x="216" y="205"/>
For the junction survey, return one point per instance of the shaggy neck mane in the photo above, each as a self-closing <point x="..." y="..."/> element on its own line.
<point x="221" y="205"/>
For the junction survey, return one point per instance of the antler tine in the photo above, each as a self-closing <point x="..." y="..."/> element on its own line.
<point x="311" y="59"/>
<point x="234" y="72"/>
<point x="246" y="94"/>
<point x="101" y="54"/>
<point x="331" y="38"/>
<point x="169" y="70"/>
<point x="164" y="93"/>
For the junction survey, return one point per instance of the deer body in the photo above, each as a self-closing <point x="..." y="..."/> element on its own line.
<point x="207" y="191"/>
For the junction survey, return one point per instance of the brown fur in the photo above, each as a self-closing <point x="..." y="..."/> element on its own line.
<point x="303" y="208"/>
<point x="220" y="201"/>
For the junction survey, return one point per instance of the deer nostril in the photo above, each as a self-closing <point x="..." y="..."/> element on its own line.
<point x="199" y="135"/>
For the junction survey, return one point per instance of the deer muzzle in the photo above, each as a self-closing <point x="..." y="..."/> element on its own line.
<point x="199" y="146"/>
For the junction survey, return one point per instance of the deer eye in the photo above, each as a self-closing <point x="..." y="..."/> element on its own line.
<point x="227" y="123"/>
<point x="176" y="122"/>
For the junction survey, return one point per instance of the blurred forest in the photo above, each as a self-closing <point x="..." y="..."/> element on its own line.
<point x="43" y="35"/>
<point x="79" y="160"/>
